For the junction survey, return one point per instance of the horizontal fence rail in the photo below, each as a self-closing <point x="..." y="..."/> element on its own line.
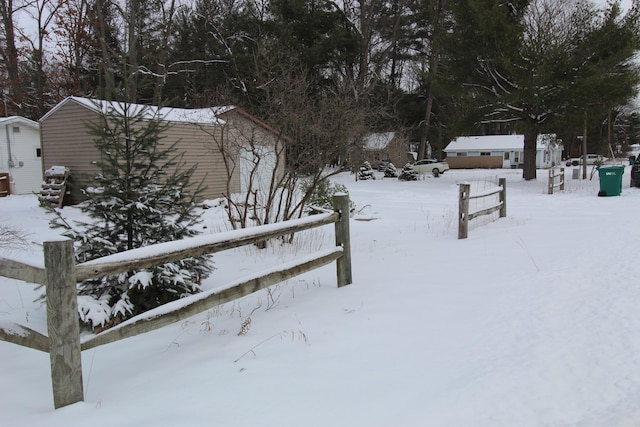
<point x="140" y="258"/>
<point x="61" y="275"/>
<point x="189" y="306"/>
<point x="465" y="195"/>
<point x="556" y="179"/>
<point x="20" y="271"/>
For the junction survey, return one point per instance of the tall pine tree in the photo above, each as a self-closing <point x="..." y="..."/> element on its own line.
<point x="142" y="196"/>
<point x="538" y="64"/>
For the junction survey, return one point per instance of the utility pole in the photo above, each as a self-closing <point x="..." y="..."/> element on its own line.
<point x="4" y="100"/>
<point x="584" y="148"/>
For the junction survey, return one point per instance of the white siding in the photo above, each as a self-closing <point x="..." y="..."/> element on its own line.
<point x="22" y="138"/>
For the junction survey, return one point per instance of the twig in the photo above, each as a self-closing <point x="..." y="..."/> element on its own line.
<point x="524" y="246"/>
<point x="255" y="346"/>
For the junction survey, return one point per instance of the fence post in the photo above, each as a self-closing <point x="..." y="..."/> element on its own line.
<point x="62" y="323"/>
<point x="502" y="182"/>
<point x="551" y="181"/>
<point x="463" y="216"/>
<point x="561" y="179"/>
<point x="343" y="264"/>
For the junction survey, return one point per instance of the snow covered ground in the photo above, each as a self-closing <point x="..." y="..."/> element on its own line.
<point x="534" y="320"/>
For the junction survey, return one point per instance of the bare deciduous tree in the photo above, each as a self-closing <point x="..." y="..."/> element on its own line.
<point x="308" y="134"/>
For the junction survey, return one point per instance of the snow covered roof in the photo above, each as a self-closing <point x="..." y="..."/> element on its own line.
<point x="18" y="119"/>
<point x="179" y="115"/>
<point x="492" y="142"/>
<point x="378" y="141"/>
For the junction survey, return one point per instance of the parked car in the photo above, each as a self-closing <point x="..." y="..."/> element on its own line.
<point x="592" y="159"/>
<point x="635" y="173"/>
<point x="430" y="166"/>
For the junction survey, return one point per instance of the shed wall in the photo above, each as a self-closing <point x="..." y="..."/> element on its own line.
<point x="67" y="142"/>
<point x="26" y="170"/>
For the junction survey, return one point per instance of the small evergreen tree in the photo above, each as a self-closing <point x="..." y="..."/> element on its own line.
<point x="408" y="173"/>
<point x="141" y="197"/>
<point x="322" y="195"/>
<point x="390" y="171"/>
<point x="366" y="171"/>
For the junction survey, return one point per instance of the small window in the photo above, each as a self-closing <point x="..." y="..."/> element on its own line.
<point x="460" y="154"/>
<point x="485" y="153"/>
<point x="16" y="129"/>
<point x="38" y="152"/>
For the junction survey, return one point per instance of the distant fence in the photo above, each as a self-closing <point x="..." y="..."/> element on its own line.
<point x="465" y="195"/>
<point x="556" y="179"/>
<point x="60" y="275"/>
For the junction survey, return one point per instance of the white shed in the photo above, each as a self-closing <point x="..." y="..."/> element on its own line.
<point x="501" y="151"/>
<point x="21" y="154"/>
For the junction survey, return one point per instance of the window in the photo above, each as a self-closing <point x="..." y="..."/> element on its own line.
<point x="38" y="152"/>
<point x="459" y="154"/>
<point x="506" y="155"/>
<point x="16" y="129"/>
<point x="485" y="153"/>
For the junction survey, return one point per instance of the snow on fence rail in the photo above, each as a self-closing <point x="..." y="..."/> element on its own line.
<point x="465" y="195"/>
<point x="61" y="274"/>
<point x="553" y="183"/>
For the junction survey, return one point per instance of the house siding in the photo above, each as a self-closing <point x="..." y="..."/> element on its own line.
<point x="25" y="171"/>
<point x="66" y="141"/>
<point x="396" y="151"/>
<point x="197" y="146"/>
<point x="246" y="132"/>
<point x="472" y="162"/>
<point x="548" y="152"/>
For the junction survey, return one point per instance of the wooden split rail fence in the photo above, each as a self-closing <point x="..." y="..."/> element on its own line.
<point x="465" y="195"/>
<point x="556" y="179"/>
<point x="60" y="275"/>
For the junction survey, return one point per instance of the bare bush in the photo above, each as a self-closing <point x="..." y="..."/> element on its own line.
<point x="13" y="239"/>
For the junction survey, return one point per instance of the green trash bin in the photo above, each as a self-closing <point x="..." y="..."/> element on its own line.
<point x="610" y="180"/>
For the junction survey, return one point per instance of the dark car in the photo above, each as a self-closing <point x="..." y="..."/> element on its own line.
<point x="635" y="173"/>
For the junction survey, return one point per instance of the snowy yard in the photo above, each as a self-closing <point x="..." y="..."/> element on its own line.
<point x="533" y="320"/>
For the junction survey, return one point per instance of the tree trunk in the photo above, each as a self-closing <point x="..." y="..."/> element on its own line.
<point x="530" y="144"/>
<point x="434" y="63"/>
<point x="422" y="147"/>
<point x="10" y="56"/>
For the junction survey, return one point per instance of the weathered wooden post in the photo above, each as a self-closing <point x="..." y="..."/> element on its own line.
<point x="552" y="179"/>
<point x="343" y="264"/>
<point x="463" y="216"/>
<point x="62" y="323"/>
<point x="502" y="182"/>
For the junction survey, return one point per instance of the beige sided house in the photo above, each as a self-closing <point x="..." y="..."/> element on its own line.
<point x="66" y="141"/>
<point x="386" y="147"/>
